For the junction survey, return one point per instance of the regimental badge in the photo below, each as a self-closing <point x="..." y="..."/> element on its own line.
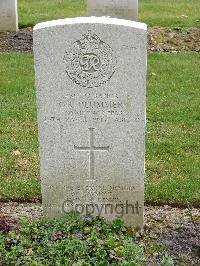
<point x="90" y="62"/>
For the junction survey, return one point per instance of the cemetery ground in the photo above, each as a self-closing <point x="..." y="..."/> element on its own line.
<point x="171" y="158"/>
<point x="172" y="129"/>
<point x="172" y="152"/>
<point x="181" y="13"/>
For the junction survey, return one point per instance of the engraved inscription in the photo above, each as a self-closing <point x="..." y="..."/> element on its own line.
<point x="95" y="107"/>
<point x="106" y="188"/>
<point x="5" y="14"/>
<point x="92" y="148"/>
<point x="90" y="62"/>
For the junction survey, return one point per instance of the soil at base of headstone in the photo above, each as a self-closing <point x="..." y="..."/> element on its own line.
<point x="173" y="229"/>
<point x="159" y="39"/>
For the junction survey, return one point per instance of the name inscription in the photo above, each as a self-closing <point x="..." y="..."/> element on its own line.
<point x="97" y="107"/>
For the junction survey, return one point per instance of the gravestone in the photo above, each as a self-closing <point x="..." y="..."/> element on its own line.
<point x="91" y="87"/>
<point x="8" y="15"/>
<point x="126" y="9"/>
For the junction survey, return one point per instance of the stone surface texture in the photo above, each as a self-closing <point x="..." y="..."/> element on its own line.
<point x="125" y="9"/>
<point x="91" y="100"/>
<point x="8" y="15"/>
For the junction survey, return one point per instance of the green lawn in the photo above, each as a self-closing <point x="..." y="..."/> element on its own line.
<point x="32" y="12"/>
<point x="172" y="128"/>
<point x="172" y="13"/>
<point x="18" y="129"/>
<point x="173" y="154"/>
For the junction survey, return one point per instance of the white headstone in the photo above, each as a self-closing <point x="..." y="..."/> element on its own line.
<point x="8" y="15"/>
<point x="91" y="87"/>
<point x="126" y="9"/>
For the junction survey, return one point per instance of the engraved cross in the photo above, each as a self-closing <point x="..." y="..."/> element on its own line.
<point x="92" y="149"/>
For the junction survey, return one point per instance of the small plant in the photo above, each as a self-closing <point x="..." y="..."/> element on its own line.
<point x="69" y="240"/>
<point x="6" y="224"/>
<point x="166" y="260"/>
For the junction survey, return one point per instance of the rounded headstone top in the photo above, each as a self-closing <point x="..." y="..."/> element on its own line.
<point x="91" y="20"/>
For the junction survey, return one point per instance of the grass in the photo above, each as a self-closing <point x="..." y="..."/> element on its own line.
<point x="18" y="133"/>
<point x="172" y="129"/>
<point x="32" y="12"/>
<point x="171" y="13"/>
<point x="173" y="126"/>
